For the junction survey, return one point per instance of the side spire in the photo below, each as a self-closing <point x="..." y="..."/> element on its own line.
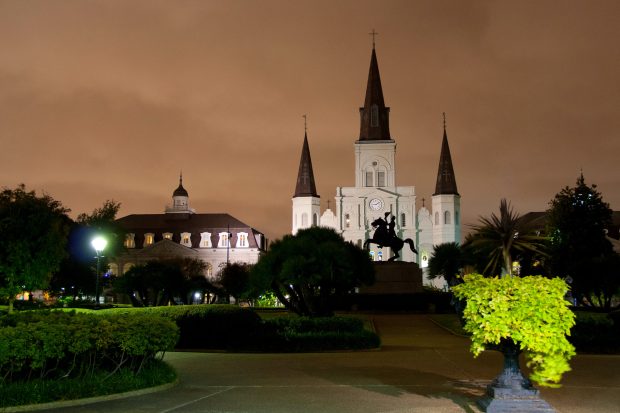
<point x="305" y="177"/>
<point x="374" y="116"/>
<point x="446" y="181"/>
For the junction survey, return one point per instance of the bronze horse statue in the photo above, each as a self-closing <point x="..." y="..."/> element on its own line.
<point x="387" y="238"/>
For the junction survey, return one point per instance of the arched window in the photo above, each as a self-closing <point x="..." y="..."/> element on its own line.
<point x="446" y="218"/>
<point x="381" y="178"/>
<point x="149" y="239"/>
<point x="436" y="218"/>
<point x="456" y="217"/>
<point x="304" y="220"/>
<point x="347" y="221"/>
<point x="372" y="255"/>
<point x="374" y="116"/>
<point x="403" y="220"/>
<point x="186" y="239"/>
<point x="130" y="240"/>
<point x="315" y="220"/>
<point x="205" y="240"/>
<point x="380" y="256"/>
<point x="369" y="180"/>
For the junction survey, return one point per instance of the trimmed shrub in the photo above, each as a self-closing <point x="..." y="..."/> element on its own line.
<point x="595" y="333"/>
<point x="67" y="344"/>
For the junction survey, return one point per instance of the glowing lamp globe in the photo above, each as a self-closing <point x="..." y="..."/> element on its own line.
<point x="99" y="243"/>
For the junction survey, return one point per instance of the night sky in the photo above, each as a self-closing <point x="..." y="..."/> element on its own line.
<point x="111" y="99"/>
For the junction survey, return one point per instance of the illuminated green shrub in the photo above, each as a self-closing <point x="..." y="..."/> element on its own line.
<point x="530" y="311"/>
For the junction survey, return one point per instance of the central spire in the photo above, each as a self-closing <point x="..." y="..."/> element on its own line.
<point x="374" y="116"/>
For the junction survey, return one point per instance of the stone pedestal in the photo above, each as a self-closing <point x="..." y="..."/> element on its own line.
<point x="511" y="391"/>
<point x="395" y="277"/>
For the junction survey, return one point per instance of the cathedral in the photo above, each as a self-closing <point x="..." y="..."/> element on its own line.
<point x="376" y="195"/>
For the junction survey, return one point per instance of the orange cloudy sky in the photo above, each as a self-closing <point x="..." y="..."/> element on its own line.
<point x="111" y="99"/>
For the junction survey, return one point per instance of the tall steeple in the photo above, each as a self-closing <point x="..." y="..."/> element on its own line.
<point x="305" y="177"/>
<point x="374" y="116"/>
<point x="446" y="181"/>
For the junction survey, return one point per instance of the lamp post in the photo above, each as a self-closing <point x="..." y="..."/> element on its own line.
<point x="99" y="243"/>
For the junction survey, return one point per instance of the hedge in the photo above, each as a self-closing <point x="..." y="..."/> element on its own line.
<point x="67" y="344"/>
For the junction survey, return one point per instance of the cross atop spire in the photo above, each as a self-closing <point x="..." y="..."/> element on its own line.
<point x="305" y="177"/>
<point x="374" y="116"/>
<point x="373" y="33"/>
<point x="446" y="181"/>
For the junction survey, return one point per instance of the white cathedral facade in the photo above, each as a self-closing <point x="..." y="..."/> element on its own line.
<point x="376" y="192"/>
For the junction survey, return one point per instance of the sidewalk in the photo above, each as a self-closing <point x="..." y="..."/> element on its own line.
<point x="420" y="368"/>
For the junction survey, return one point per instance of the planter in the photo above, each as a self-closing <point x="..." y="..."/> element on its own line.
<point x="511" y="391"/>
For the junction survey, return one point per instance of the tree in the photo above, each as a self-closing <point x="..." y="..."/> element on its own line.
<point x="576" y="223"/>
<point x="308" y="270"/>
<point x="160" y="282"/>
<point x="34" y="234"/>
<point x="500" y="238"/>
<point x="447" y="261"/>
<point x="77" y="272"/>
<point x="234" y="279"/>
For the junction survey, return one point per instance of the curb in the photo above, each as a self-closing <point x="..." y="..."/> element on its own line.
<point x="88" y="400"/>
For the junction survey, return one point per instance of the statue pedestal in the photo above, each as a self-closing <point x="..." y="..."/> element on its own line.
<point x="395" y="277"/>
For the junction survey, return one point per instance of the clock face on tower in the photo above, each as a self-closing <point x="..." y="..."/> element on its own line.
<point x="376" y="204"/>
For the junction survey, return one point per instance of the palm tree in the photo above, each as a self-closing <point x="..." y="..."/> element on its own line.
<point x="446" y="261"/>
<point x="501" y="237"/>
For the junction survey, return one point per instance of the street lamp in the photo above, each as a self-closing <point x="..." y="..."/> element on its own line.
<point x="98" y="244"/>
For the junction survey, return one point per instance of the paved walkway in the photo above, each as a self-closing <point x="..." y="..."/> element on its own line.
<point x="420" y="368"/>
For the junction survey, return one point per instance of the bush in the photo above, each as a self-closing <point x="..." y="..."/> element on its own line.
<point x="529" y="311"/>
<point x="66" y="344"/>
<point x="595" y="333"/>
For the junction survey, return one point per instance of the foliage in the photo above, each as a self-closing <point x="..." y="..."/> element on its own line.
<point x="577" y="219"/>
<point x="530" y="311"/>
<point x="77" y="273"/>
<point x="267" y="299"/>
<point x="500" y="238"/>
<point x="234" y="279"/>
<point x="595" y="333"/>
<point x="98" y="384"/>
<point x="160" y="282"/>
<point x="34" y="234"/>
<point x="307" y="270"/>
<point x="58" y="344"/>
<point x="230" y="327"/>
<point x="447" y="261"/>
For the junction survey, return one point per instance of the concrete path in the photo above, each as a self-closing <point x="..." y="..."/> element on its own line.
<point x="420" y="368"/>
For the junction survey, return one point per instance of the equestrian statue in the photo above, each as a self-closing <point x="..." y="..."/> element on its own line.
<point x="385" y="236"/>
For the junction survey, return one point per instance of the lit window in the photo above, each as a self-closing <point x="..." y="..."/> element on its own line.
<point x="374" y="116"/>
<point x="205" y="240"/>
<point x="186" y="239"/>
<point x="223" y="241"/>
<point x="372" y="255"/>
<point x="130" y="241"/>
<point x="242" y="240"/>
<point x="446" y="219"/>
<point x="167" y="235"/>
<point x="380" y="256"/>
<point x="380" y="179"/>
<point x="403" y="220"/>
<point x="149" y="238"/>
<point x="369" y="175"/>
